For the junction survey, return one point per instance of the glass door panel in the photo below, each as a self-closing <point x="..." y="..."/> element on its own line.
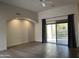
<point x="62" y="33"/>
<point x="51" y="33"/>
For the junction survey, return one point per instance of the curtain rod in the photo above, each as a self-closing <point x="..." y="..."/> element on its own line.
<point x="57" y="16"/>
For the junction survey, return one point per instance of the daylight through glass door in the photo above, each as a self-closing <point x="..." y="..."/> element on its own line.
<point x="51" y="33"/>
<point x="57" y="33"/>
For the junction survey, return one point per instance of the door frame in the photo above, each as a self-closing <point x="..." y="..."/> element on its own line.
<point x="58" y="22"/>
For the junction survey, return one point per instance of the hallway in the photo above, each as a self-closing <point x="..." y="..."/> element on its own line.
<point x="39" y="50"/>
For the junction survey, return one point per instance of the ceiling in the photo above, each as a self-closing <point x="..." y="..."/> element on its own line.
<point x="35" y="5"/>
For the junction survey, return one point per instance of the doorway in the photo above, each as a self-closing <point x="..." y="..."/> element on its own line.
<point x="57" y="33"/>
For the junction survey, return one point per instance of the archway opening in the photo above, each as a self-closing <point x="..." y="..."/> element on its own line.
<point x="19" y="31"/>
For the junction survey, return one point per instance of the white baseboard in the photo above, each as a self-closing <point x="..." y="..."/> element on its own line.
<point x="16" y="44"/>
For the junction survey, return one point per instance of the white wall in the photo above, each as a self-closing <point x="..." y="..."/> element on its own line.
<point x="59" y="11"/>
<point x="8" y="12"/>
<point x="77" y="17"/>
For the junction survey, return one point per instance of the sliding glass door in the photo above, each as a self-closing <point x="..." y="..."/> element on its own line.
<point x="62" y="33"/>
<point x="51" y="33"/>
<point x="57" y="33"/>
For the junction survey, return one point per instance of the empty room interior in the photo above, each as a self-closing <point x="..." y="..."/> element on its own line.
<point x="39" y="29"/>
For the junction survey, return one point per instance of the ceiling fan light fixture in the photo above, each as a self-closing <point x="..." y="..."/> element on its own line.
<point x="43" y="4"/>
<point x="42" y="0"/>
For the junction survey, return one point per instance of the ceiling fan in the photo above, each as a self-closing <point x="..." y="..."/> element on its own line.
<point x="44" y="3"/>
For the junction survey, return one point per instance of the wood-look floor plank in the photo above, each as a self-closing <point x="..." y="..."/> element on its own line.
<point x="39" y="50"/>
